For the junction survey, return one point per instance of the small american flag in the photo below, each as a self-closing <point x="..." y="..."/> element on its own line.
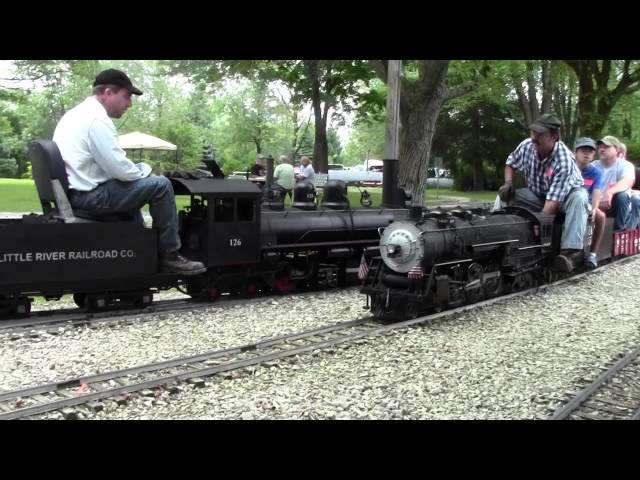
<point x="364" y="269"/>
<point x="416" y="272"/>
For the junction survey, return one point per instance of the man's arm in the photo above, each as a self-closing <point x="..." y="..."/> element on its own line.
<point x="506" y="191"/>
<point x="106" y="151"/>
<point x="561" y="183"/>
<point x="551" y="207"/>
<point x="509" y="174"/>
<point x="595" y="200"/>
<point x="623" y="185"/>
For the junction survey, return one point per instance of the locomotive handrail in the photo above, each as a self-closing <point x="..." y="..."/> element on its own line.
<point x="501" y="242"/>
<point x="542" y="245"/>
<point x="465" y="260"/>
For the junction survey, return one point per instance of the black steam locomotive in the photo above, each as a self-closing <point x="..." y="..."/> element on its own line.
<point x="243" y="235"/>
<point x="442" y="259"/>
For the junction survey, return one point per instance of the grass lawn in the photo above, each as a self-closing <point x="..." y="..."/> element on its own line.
<point x="18" y="195"/>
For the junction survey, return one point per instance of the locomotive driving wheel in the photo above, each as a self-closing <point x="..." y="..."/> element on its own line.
<point x="80" y="299"/>
<point x="522" y="282"/>
<point x="549" y="275"/>
<point x="283" y="285"/>
<point x="493" y="282"/>
<point x="456" y="295"/>
<point x="212" y="293"/>
<point x="475" y="273"/>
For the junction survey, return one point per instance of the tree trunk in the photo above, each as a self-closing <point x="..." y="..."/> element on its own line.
<point x="294" y="136"/>
<point x="419" y="109"/>
<point x="420" y="104"/>
<point x="320" y="147"/>
<point x="476" y="159"/>
<point x="601" y="85"/>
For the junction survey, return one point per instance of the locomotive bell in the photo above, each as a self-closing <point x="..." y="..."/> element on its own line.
<point x="401" y="246"/>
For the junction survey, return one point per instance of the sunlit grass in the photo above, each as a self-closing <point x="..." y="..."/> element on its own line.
<point x="17" y="195"/>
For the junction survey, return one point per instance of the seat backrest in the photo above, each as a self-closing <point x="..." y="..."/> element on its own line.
<point x="47" y="165"/>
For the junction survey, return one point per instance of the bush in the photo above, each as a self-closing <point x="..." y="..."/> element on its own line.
<point x="8" y="167"/>
<point x="633" y="153"/>
<point x="28" y="173"/>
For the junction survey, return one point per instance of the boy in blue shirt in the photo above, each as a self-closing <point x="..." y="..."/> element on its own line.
<point x="593" y="179"/>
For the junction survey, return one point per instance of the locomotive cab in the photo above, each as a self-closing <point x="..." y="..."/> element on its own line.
<point x="222" y="224"/>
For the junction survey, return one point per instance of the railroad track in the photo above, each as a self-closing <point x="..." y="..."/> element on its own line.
<point x="613" y="395"/>
<point x="50" y="320"/>
<point x="90" y="390"/>
<point x="167" y="375"/>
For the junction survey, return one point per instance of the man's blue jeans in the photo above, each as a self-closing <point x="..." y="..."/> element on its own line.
<point x="575" y="207"/>
<point x="626" y="211"/>
<point x="156" y="191"/>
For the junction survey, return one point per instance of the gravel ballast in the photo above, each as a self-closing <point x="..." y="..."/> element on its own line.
<point x="508" y="360"/>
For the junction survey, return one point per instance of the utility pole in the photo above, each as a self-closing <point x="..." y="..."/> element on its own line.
<point x="390" y="191"/>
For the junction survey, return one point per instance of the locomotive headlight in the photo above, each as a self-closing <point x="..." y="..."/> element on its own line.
<point x="401" y="246"/>
<point x="394" y="250"/>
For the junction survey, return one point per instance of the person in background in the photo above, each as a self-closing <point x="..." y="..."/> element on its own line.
<point x="306" y="170"/>
<point x="283" y="176"/>
<point x="259" y="168"/>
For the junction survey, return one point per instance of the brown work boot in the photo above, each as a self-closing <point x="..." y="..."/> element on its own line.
<point x="568" y="259"/>
<point x="173" y="262"/>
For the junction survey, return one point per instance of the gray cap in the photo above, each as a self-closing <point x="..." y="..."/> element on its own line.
<point x="611" y="140"/>
<point x="545" y="123"/>
<point x="586" y="142"/>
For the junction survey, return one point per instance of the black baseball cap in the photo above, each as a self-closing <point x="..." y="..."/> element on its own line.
<point x="545" y="123"/>
<point x="116" y="77"/>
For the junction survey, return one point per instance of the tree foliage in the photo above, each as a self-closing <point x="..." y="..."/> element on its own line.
<point x="481" y="108"/>
<point x="602" y="83"/>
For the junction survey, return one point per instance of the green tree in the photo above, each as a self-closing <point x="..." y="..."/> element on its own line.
<point x="602" y="83"/>
<point x="424" y="90"/>
<point x="331" y="86"/>
<point x="366" y="141"/>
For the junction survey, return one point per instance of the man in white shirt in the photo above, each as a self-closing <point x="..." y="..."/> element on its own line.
<point x="306" y="170"/>
<point x="619" y="177"/>
<point x="102" y="177"/>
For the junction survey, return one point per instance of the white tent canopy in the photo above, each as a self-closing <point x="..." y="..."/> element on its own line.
<point x="142" y="141"/>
